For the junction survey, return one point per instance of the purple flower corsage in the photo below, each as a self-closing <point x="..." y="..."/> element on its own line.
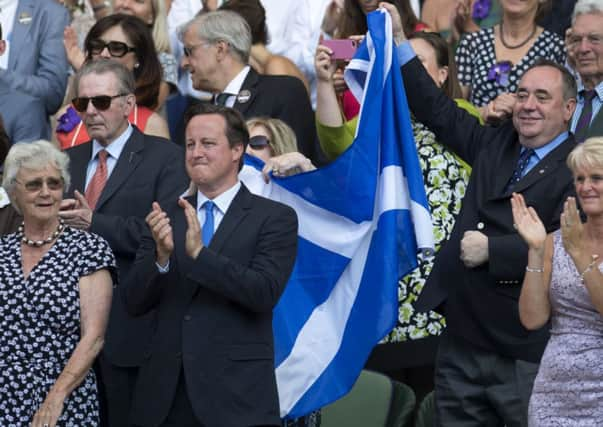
<point x="68" y="121"/>
<point x="500" y="73"/>
<point x="481" y="9"/>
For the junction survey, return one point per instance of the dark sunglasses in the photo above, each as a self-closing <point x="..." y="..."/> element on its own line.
<point x="116" y="49"/>
<point x="258" y="141"/>
<point x="101" y="102"/>
<point x="37" y="184"/>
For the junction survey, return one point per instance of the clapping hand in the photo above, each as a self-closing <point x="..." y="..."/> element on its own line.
<point x="75" y="56"/>
<point x="572" y="229"/>
<point x="193" y="242"/>
<point x="528" y="224"/>
<point x="161" y="230"/>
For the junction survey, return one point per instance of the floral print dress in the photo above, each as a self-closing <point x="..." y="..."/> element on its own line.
<point x="40" y="326"/>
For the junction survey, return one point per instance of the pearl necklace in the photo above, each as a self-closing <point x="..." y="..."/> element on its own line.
<point x="38" y="243"/>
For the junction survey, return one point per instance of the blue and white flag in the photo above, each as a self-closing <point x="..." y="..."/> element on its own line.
<point x="361" y="221"/>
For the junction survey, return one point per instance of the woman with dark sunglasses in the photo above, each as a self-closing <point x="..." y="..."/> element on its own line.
<point x="128" y="40"/>
<point x="273" y="141"/>
<point x="56" y="287"/>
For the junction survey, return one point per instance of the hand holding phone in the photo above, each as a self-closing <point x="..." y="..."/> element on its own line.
<point x="341" y="48"/>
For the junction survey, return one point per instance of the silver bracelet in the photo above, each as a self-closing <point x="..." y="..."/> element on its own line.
<point x="534" y="270"/>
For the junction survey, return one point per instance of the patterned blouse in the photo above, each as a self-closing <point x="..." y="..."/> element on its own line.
<point x="445" y="177"/>
<point x="476" y="56"/>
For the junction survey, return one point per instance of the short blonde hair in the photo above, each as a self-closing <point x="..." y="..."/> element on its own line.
<point x="587" y="155"/>
<point x="282" y="137"/>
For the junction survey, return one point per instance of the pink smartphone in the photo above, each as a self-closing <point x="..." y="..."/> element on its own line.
<point x="342" y="48"/>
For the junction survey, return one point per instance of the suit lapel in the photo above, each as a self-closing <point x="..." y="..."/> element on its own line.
<point x="507" y="165"/>
<point x="249" y="85"/>
<point x="79" y="157"/>
<point x="24" y="23"/>
<point x="596" y="126"/>
<point x="546" y="166"/>
<point x="542" y="169"/>
<point x="237" y="210"/>
<point x="128" y="161"/>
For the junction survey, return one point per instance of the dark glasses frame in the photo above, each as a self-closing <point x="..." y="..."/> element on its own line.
<point x="100" y="102"/>
<point x="116" y="49"/>
<point x="259" y="141"/>
<point x="37" y="184"/>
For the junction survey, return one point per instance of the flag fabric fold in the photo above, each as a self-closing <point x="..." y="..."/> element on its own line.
<point x="362" y="220"/>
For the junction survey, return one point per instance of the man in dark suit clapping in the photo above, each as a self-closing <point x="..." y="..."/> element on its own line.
<point x="115" y="179"/>
<point x="214" y="285"/>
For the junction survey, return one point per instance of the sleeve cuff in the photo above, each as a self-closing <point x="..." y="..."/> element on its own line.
<point x="404" y="52"/>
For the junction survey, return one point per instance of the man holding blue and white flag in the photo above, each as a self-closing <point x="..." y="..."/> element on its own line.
<point x="362" y="220"/>
<point x="487" y="361"/>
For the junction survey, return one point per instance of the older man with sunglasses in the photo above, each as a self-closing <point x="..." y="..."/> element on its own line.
<point x="115" y="178"/>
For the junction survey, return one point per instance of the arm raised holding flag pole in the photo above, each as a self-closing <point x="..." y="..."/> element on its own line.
<point x="478" y="272"/>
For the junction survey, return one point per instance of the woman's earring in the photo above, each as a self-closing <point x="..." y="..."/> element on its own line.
<point x="136" y="65"/>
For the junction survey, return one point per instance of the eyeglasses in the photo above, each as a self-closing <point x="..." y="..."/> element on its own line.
<point x="116" y="49"/>
<point x="188" y="51"/>
<point x="101" y="102"/>
<point x="258" y="141"/>
<point x="37" y="184"/>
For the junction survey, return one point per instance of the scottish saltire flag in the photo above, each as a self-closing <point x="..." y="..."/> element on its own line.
<point x="361" y="221"/>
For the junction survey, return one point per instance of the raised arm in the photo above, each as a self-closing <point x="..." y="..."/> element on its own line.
<point x="534" y="303"/>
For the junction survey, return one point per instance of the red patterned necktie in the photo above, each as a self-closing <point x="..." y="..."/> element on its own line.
<point x="98" y="181"/>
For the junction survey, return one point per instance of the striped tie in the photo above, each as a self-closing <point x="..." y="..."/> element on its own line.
<point x="585" y="116"/>
<point x="522" y="163"/>
<point x="98" y="181"/>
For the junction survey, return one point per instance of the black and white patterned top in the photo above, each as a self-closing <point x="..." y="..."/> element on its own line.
<point x="476" y="55"/>
<point x="40" y="326"/>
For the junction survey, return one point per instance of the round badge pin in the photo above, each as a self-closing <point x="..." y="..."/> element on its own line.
<point x="243" y="96"/>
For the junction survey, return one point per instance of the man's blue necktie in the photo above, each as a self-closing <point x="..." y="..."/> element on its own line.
<point x="522" y="163"/>
<point x="208" y="226"/>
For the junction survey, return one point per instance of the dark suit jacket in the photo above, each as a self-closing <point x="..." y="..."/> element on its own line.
<point x="148" y="169"/>
<point x="482" y="301"/>
<point x="285" y="98"/>
<point x="215" y="316"/>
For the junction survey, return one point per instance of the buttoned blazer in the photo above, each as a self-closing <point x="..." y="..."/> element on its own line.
<point x="37" y="63"/>
<point x="149" y="169"/>
<point x="215" y="316"/>
<point x="285" y="98"/>
<point x="482" y="302"/>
